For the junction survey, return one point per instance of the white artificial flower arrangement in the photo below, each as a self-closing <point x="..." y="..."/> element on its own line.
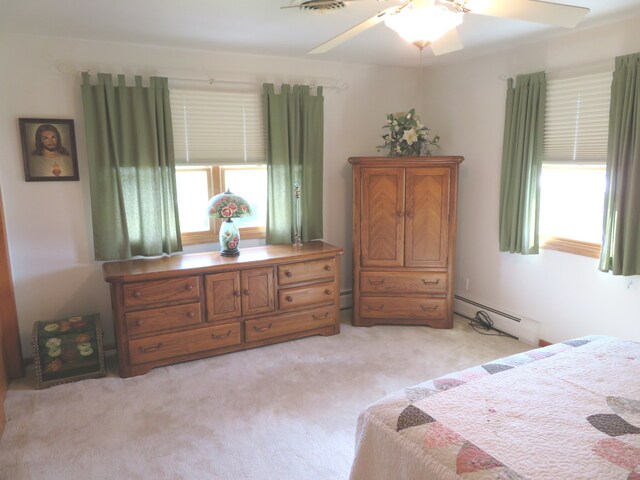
<point x="407" y="136"/>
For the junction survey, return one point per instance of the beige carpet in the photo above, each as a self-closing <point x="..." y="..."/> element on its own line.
<point x="286" y="411"/>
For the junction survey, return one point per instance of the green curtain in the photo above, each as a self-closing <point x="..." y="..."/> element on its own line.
<point x="522" y="152"/>
<point x="294" y="121"/>
<point x="621" y="237"/>
<point x="131" y="167"/>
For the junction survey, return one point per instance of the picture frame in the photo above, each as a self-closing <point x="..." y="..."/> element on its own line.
<point x="48" y="149"/>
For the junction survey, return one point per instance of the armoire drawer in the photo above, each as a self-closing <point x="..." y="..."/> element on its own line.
<point x="270" y="327"/>
<point x="159" y="319"/>
<point x="315" y="271"/>
<point x="169" y="345"/>
<point x="290" y="298"/>
<point x="402" y="307"/>
<point x="162" y="291"/>
<point x="403" y="282"/>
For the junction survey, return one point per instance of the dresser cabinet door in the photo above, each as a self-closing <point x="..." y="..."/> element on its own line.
<point x="427" y="217"/>
<point x="382" y="217"/>
<point x="222" y="296"/>
<point x="257" y="291"/>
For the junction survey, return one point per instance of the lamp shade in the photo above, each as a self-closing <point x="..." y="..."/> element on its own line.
<point x="228" y="205"/>
<point x="423" y="24"/>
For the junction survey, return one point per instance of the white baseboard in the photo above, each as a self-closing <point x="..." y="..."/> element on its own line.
<point x="346" y="299"/>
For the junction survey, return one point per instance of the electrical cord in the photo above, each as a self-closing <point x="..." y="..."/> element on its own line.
<point x="483" y="323"/>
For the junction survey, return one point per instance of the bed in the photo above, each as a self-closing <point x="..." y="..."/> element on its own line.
<point x="566" y="411"/>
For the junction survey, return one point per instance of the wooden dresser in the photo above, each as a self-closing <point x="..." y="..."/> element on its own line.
<point x="172" y="309"/>
<point x="404" y="232"/>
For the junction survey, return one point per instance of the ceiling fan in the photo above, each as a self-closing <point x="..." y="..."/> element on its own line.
<point x="433" y="22"/>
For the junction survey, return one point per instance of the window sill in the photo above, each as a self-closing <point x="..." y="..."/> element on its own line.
<point x="575" y="247"/>
<point x="197" y="238"/>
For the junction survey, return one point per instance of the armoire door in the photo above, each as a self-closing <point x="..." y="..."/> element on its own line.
<point x="427" y="217"/>
<point x="382" y="217"/>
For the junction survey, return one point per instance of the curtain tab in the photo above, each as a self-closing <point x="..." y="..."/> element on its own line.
<point x="627" y="60"/>
<point x="268" y="88"/>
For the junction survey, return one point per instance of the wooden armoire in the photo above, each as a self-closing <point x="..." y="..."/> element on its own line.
<point x="404" y="236"/>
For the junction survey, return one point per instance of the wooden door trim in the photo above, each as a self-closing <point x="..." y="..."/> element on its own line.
<point x="10" y="336"/>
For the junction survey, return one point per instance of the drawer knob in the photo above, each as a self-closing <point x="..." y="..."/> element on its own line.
<point x="188" y="288"/>
<point x="246" y="292"/>
<point x="137" y="294"/>
<point x="191" y="314"/>
<point x="328" y="292"/>
<point x="327" y="268"/>
<point x="376" y="282"/>
<point x="222" y="335"/>
<point x="289" y="298"/>
<point x="236" y="293"/>
<point x="409" y="214"/>
<point x="288" y="274"/>
<point x="139" y="323"/>
<point x="428" y="308"/>
<point x="262" y="329"/>
<point x="400" y="214"/>
<point x="153" y="348"/>
<point x="427" y="282"/>
<point x="320" y="317"/>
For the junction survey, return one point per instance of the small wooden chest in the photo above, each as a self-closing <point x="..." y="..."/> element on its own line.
<point x="68" y="350"/>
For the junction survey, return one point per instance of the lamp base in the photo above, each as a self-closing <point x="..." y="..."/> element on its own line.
<point x="229" y="239"/>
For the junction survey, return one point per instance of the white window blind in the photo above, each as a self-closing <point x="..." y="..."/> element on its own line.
<point x="577" y="119"/>
<point x="217" y="127"/>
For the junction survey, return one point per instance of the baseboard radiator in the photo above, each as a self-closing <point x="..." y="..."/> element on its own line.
<point x="525" y="329"/>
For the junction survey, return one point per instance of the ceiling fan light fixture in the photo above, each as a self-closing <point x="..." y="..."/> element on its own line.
<point x="423" y="25"/>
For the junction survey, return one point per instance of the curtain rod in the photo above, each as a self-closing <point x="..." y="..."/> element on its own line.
<point x="601" y="66"/>
<point x="338" y="87"/>
<point x="212" y="81"/>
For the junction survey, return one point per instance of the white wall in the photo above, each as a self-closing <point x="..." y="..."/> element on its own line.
<point x="565" y="293"/>
<point x="49" y="223"/>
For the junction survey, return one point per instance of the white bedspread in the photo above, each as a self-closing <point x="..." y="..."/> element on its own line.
<point x="567" y="411"/>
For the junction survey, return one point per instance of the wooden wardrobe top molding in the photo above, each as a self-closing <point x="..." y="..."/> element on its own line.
<point x="195" y="263"/>
<point x="406" y="161"/>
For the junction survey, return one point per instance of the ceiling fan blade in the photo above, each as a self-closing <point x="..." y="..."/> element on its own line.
<point x="320" y="3"/>
<point x="352" y="32"/>
<point x="450" y="42"/>
<point x="530" y="10"/>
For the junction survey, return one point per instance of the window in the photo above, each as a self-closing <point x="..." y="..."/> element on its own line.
<point x="573" y="172"/>
<point x="219" y="141"/>
<point x="196" y="185"/>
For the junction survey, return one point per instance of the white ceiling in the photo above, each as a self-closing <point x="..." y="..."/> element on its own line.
<point x="261" y="27"/>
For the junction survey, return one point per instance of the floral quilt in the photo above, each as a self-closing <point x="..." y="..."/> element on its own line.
<point x="566" y="411"/>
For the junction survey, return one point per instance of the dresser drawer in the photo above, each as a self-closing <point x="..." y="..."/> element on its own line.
<point x="158" y="319"/>
<point x="302" y="296"/>
<point x="403" y="282"/>
<point x="161" y="291"/>
<point x="290" y="323"/>
<point x="398" y="307"/>
<point x="315" y="271"/>
<point x="170" y="345"/>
